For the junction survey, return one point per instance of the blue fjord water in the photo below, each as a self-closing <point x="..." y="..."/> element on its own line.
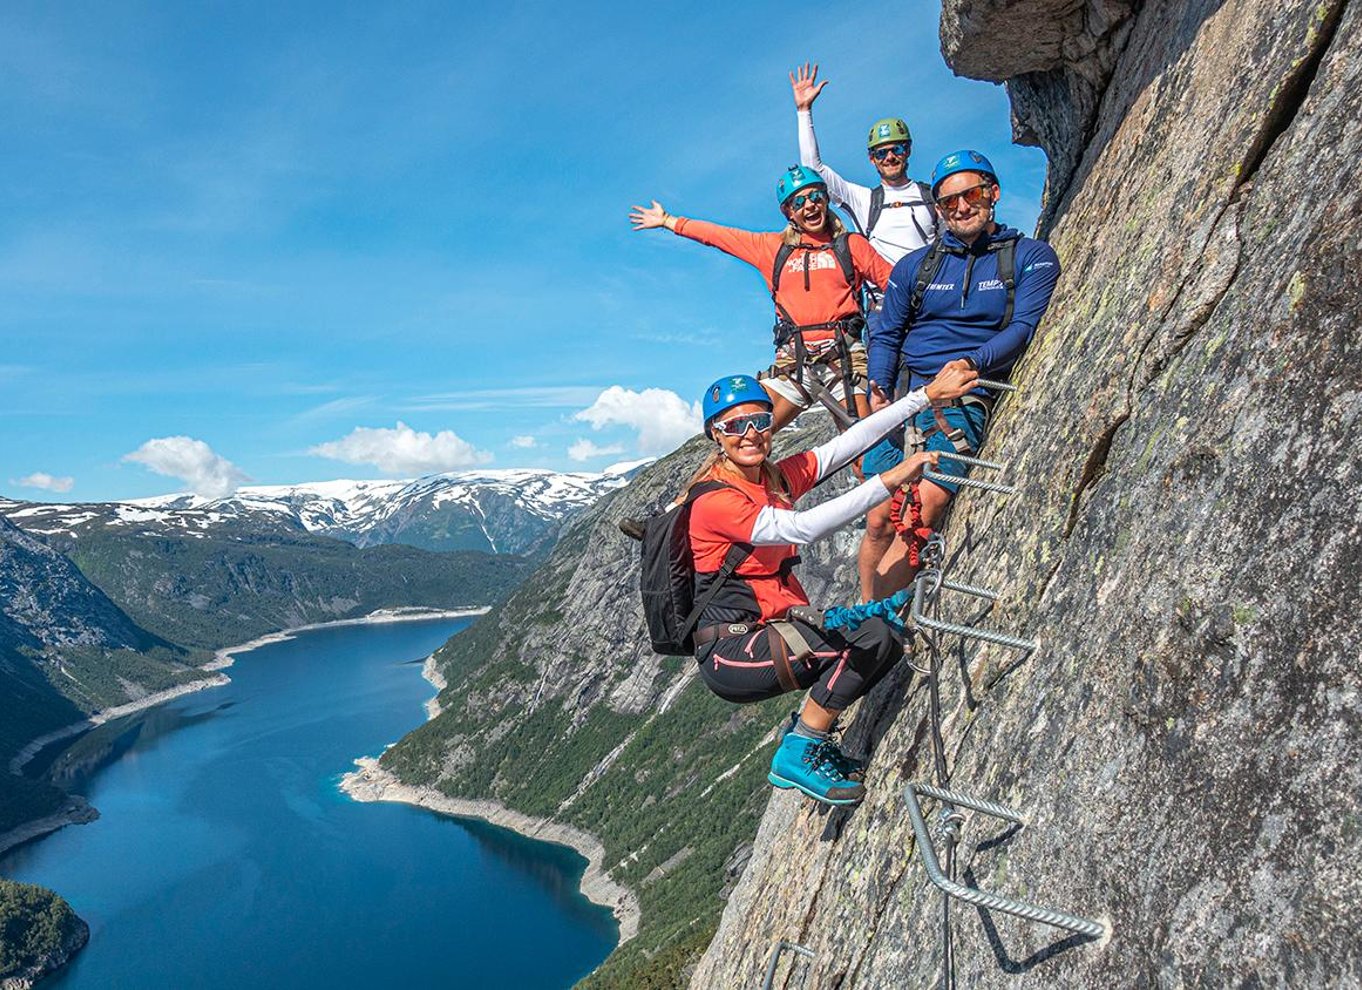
<point x="226" y="857"/>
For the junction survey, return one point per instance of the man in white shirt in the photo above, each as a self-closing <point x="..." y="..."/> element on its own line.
<point x="904" y="220"/>
<point x="897" y="217"/>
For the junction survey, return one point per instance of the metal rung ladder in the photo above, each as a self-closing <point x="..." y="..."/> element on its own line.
<point x="782" y="946"/>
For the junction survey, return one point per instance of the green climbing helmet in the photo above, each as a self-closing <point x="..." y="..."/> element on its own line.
<point x="888" y="131"/>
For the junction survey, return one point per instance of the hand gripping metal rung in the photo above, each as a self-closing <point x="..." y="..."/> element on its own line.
<point x="972" y="895"/>
<point x="781" y="946"/>
<point x="920" y="594"/>
<point x="996" y="386"/>
<point x="955" y="479"/>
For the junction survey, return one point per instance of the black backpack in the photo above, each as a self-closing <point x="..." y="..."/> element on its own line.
<point x="667" y="579"/>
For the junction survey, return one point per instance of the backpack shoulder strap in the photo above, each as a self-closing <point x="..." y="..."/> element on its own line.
<point x="925" y="191"/>
<point x="1007" y="274"/>
<point x="926" y="271"/>
<point x="737" y="553"/>
<point x="841" y="248"/>
<point x="876" y="208"/>
<point x="782" y="255"/>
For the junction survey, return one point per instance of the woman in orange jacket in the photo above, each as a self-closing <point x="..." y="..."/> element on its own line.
<point x="815" y="270"/>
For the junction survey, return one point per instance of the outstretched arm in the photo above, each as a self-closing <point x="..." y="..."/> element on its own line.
<point x="777" y="526"/>
<point x="957" y="378"/>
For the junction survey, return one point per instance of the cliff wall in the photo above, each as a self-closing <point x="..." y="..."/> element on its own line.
<point x="1185" y="543"/>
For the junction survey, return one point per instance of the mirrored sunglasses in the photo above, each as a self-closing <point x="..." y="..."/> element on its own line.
<point x="974" y="196"/>
<point x="738" y="425"/>
<point x="816" y="196"/>
<point x="881" y="153"/>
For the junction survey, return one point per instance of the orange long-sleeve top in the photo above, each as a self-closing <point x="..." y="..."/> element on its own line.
<point x="812" y="287"/>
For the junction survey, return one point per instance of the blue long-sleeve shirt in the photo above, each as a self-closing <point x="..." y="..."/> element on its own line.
<point x="961" y="310"/>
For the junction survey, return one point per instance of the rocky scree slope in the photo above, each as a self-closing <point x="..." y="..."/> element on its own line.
<point x="556" y="706"/>
<point x="1185" y="545"/>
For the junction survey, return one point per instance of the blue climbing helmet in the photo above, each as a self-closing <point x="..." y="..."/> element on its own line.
<point x="797" y="177"/>
<point x="961" y="161"/>
<point x="732" y="391"/>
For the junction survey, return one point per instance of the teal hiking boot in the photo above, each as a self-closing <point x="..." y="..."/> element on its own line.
<point x="812" y="766"/>
<point x="851" y="767"/>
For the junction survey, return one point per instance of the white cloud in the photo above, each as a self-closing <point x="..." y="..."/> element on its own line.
<point x="193" y="462"/>
<point x="584" y="450"/>
<point x="524" y="442"/>
<point x="662" y="418"/>
<point x="403" y="451"/>
<point x="45" y="481"/>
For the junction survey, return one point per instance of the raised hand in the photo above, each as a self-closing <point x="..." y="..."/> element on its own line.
<point x="648" y="217"/>
<point x="805" y="85"/>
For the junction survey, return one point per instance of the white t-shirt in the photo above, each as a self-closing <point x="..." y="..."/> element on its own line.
<point x="907" y="222"/>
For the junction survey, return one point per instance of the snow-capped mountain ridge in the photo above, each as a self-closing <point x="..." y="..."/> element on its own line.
<point x="502" y="511"/>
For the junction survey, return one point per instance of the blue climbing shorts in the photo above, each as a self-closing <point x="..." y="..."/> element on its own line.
<point x="971" y="417"/>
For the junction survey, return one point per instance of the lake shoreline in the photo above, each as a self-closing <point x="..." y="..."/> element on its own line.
<point x="370" y="782"/>
<point x="80" y="813"/>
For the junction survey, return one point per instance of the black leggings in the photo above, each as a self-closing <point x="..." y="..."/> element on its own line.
<point x="844" y="666"/>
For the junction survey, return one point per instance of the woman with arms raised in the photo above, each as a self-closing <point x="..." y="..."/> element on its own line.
<point x="746" y="650"/>
<point x="815" y="271"/>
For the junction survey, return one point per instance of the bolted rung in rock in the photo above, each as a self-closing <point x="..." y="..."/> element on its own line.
<point x="972" y="461"/>
<point x="973" y="895"/>
<point x="997" y="386"/>
<point x="922" y="593"/>
<point x="782" y="946"/>
<point x="971" y="589"/>
<point x="987" y="486"/>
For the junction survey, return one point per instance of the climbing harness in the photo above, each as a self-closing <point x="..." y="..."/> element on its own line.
<point x="928" y="585"/>
<point x="836" y="354"/>
<point x="783" y="946"/>
<point x="905" y="508"/>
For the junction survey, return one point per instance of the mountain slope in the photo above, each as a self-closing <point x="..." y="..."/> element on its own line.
<point x="65" y="651"/>
<point x="516" y="511"/>
<point x="555" y="706"/>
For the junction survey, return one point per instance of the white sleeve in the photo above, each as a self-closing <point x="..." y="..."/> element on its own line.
<point x="840" y="449"/>
<point x="855" y="198"/>
<point x="780" y="526"/>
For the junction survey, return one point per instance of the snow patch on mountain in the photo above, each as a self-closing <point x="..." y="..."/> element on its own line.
<point x="514" y="510"/>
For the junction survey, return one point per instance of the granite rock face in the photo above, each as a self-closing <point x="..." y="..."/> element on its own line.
<point x="1185" y="545"/>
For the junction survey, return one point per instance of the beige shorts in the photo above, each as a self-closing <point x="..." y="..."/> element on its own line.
<point x="828" y="374"/>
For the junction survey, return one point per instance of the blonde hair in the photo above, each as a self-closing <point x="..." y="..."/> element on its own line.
<point x="717" y="467"/>
<point x="792" y="235"/>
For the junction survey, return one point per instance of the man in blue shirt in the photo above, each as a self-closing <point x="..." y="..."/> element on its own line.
<point x="977" y="294"/>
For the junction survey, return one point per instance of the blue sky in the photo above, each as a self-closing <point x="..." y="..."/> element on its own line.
<point x="286" y="243"/>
